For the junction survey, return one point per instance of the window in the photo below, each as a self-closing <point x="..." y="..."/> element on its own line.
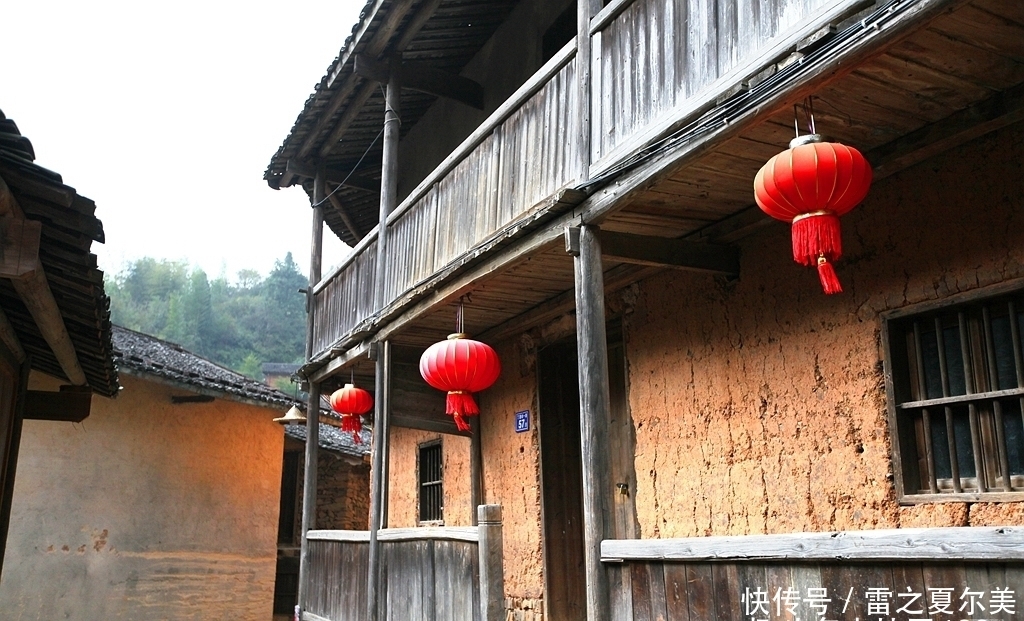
<point x="956" y="397"/>
<point x="431" y="491"/>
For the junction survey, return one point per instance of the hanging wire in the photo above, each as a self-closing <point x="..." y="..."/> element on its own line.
<point x="351" y="172"/>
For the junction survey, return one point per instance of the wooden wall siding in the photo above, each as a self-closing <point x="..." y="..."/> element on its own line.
<point x="428" y="580"/>
<point x="526" y="158"/>
<point x="648" y="591"/>
<point x="337" y="579"/>
<point x="539" y="150"/>
<point x="656" y="54"/>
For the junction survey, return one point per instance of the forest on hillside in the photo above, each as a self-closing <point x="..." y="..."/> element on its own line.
<point x="239" y="324"/>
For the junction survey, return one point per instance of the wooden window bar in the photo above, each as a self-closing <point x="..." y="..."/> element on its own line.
<point x="988" y="441"/>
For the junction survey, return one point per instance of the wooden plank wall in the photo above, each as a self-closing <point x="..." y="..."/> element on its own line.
<point x="656" y="54"/>
<point x="673" y="591"/>
<point x="526" y="158"/>
<point x="337" y="579"/>
<point x="425" y="579"/>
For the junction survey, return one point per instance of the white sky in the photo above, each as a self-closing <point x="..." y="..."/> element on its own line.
<point x="167" y="113"/>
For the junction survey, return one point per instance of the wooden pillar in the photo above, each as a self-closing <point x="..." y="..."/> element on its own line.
<point x="476" y="468"/>
<point x="388" y="181"/>
<point x="378" y="473"/>
<point x="309" y="479"/>
<point x="492" y="571"/>
<point x="585" y="10"/>
<point x="595" y="416"/>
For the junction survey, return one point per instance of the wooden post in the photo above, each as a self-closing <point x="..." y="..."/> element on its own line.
<point x="309" y="478"/>
<point x="492" y="572"/>
<point x="585" y="10"/>
<point x="595" y="415"/>
<point x="476" y="475"/>
<point x="388" y="182"/>
<point x="378" y="474"/>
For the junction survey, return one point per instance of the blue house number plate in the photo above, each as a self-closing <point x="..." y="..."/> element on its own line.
<point x="523" y="421"/>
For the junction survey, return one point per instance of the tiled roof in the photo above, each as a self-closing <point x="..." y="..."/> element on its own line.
<point x="69" y="227"/>
<point x="143" y="354"/>
<point x="333" y="439"/>
<point x="135" y="351"/>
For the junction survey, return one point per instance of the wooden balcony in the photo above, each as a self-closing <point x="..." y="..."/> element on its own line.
<point x="498" y="178"/>
<point x="654" y="66"/>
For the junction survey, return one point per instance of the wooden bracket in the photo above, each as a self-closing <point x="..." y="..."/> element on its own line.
<point x="71" y="404"/>
<point x="423" y="78"/>
<point x="666" y="252"/>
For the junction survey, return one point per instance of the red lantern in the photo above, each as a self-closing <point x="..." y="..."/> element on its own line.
<point x="810" y="185"/>
<point x="351" y="403"/>
<point x="460" y="366"/>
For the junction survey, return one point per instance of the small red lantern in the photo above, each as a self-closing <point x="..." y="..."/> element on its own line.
<point x="810" y="185"/>
<point x="460" y="366"/>
<point x="351" y="403"/>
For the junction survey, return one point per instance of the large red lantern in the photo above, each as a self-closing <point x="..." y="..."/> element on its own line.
<point x="351" y="403"/>
<point x="460" y="366"/>
<point x="810" y="185"/>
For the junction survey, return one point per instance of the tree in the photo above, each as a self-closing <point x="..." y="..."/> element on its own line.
<point x="238" y="325"/>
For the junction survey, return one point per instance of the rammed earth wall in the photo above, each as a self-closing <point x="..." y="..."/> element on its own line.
<point x="759" y="404"/>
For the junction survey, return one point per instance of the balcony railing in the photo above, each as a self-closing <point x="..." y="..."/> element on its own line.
<point x="426" y="573"/>
<point x="655" y="66"/>
<point x="521" y="155"/>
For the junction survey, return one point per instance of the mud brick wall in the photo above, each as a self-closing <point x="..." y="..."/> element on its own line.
<point x="759" y="404"/>
<point x="342" y="493"/>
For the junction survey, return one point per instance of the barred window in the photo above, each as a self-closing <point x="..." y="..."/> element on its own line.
<point x="956" y="397"/>
<point x="430" y="476"/>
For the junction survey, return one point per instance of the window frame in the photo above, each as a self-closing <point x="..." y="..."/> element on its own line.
<point x="421" y="483"/>
<point x="901" y="436"/>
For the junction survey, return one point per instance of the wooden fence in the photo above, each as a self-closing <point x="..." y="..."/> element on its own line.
<point x="431" y="573"/>
<point x="951" y="573"/>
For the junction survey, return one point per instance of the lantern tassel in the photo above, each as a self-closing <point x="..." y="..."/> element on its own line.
<point x="352" y="424"/>
<point x="816" y="234"/>
<point x="827" y="276"/>
<point x="461" y="404"/>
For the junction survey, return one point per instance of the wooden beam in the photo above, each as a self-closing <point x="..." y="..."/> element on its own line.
<point x="994" y="113"/>
<point x="10" y="338"/>
<point x="388" y="184"/>
<point x="423" y="78"/>
<point x="345" y="217"/>
<point x="1003" y="543"/>
<point x="667" y="252"/>
<point x="340" y="363"/>
<point x="407" y="421"/>
<point x="19" y="252"/>
<point x="614" y="279"/>
<point x="334" y="175"/>
<point x="34" y="291"/>
<point x="414" y="25"/>
<point x="71" y="404"/>
<point x="378" y="44"/>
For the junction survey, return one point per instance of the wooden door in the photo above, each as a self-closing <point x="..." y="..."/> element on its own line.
<point x="561" y="482"/>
